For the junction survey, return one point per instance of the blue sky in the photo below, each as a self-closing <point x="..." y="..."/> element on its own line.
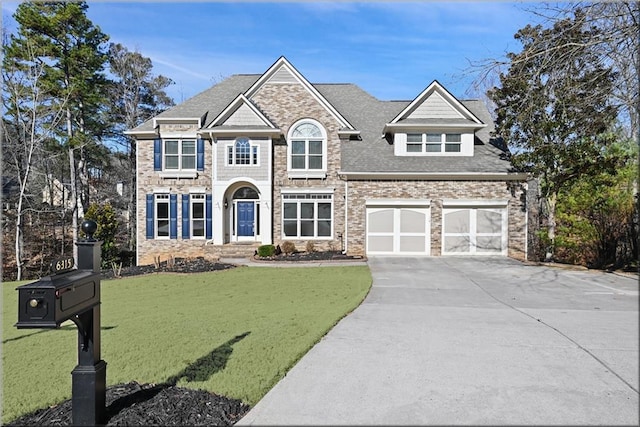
<point x="393" y="50"/>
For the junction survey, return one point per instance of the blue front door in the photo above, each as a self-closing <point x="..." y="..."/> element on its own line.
<point x="245" y="218"/>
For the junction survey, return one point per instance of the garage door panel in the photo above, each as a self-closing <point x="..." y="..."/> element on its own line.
<point x="459" y="244"/>
<point x="412" y="221"/>
<point x="489" y="221"/>
<point x="381" y="221"/>
<point x="489" y="244"/>
<point x="412" y="243"/>
<point x="381" y="244"/>
<point x="457" y="221"/>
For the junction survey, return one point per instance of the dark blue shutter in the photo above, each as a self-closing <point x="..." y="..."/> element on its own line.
<point x="209" y="219"/>
<point x="173" y="216"/>
<point x="149" y="216"/>
<point x="185" y="216"/>
<point x="200" y="154"/>
<point x="157" y="154"/>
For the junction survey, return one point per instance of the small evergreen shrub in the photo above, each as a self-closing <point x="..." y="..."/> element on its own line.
<point x="311" y="247"/>
<point x="288" y="247"/>
<point x="265" y="251"/>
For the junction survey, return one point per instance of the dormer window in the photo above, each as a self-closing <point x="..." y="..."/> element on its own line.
<point x="434" y="143"/>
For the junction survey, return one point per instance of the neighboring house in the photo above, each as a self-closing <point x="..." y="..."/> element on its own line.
<point x="10" y="193"/>
<point x="261" y="159"/>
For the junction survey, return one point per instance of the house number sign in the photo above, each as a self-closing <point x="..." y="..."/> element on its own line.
<point x="62" y="265"/>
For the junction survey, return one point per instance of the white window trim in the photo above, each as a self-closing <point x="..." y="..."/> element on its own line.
<point x="155" y="214"/>
<point x="179" y="172"/>
<point x="315" y="219"/>
<point x="203" y="200"/>
<point x="232" y="145"/>
<point x="308" y="173"/>
<point x="466" y="143"/>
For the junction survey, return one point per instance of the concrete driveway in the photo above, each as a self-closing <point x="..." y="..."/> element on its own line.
<point x="471" y="341"/>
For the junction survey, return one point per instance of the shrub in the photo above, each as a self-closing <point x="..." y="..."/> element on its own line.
<point x="288" y="247"/>
<point x="311" y="247"/>
<point x="266" y="251"/>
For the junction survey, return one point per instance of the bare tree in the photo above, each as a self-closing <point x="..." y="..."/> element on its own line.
<point x="614" y="27"/>
<point x="30" y="120"/>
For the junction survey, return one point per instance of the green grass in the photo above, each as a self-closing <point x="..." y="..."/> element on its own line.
<point x="234" y="332"/>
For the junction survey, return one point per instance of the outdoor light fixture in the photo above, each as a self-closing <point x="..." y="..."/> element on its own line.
<point x="226" y="204"/>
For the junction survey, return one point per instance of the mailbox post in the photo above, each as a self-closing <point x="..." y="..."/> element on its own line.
<point x="73" y="294"/>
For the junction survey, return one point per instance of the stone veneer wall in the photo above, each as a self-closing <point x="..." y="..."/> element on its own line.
<point x="284" y="105"/>
<point x="436" y="191"/>
<point x="148" y="180"/>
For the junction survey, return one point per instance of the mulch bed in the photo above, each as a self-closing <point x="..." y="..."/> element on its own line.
<point x="149" y="405"/>
<point x="179" y="265"/>
<point x="309" y="256"/>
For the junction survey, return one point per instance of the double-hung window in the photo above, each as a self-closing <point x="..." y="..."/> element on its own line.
<point x="242" y="153"/>
<point x="307" y="149"/>
<point x="180" y="154"/>
<point x="181" y="157"/>
<point x="434" y="142"/>
<point x="162" y="215"/>
<point x="307" y="215"/>
<point x="197" y="211"/>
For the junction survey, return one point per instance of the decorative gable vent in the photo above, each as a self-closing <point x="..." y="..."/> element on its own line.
<point x="283" y="75"/>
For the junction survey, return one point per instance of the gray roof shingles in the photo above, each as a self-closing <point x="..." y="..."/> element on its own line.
<point x="368" y="115"/>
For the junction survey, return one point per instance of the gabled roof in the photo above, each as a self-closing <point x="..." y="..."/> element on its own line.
<point x="435" y="106"/>
<point x="227" y="108"/>
<point x="207" y="103"/>
<point x="374" y="155"/>
<point x="283" y="72"/>
<point x="241" y="115"/>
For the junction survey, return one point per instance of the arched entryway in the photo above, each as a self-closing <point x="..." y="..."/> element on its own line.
<point x="243" y="205"/>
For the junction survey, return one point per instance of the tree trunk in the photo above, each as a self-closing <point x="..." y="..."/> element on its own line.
<point x="73" y="188"/>
<point x="550" y="201"/>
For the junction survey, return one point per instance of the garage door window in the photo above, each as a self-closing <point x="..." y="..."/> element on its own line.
<point x="474" y="231"/>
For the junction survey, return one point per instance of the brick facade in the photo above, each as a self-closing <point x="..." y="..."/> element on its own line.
<point x="285" y="105"/>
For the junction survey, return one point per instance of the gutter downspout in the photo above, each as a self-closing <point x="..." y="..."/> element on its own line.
<point x="214" y="174"/>
<point x="346" y="216"/>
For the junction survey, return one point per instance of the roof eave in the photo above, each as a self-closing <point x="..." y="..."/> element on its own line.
<point x="439" y="176"/>
<point x="409" y="126"/>
<point x="272" y="132"/>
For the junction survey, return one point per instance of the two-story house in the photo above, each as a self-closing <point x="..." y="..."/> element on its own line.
<point x="267" y="158"/>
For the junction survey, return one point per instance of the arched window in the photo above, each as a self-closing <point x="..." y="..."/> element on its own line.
<point x="242" y="152"/>
<point x="307" y="148"/>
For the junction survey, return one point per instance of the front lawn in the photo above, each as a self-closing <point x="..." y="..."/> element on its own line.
<point x="233" y="332"/>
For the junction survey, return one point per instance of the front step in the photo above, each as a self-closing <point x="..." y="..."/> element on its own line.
<point x="233" y="250"/>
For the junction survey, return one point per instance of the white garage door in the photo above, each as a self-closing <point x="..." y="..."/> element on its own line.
<point x="398" y="230"/>
<point x="480" y="230"/>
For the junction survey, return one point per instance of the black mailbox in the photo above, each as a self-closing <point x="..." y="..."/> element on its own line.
<point x="53" y="299"/>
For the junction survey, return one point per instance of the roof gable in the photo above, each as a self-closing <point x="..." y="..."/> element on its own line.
<point x="282" y="72"/>
<point x="435" y="102"/>
<point x="241" y="112"/>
